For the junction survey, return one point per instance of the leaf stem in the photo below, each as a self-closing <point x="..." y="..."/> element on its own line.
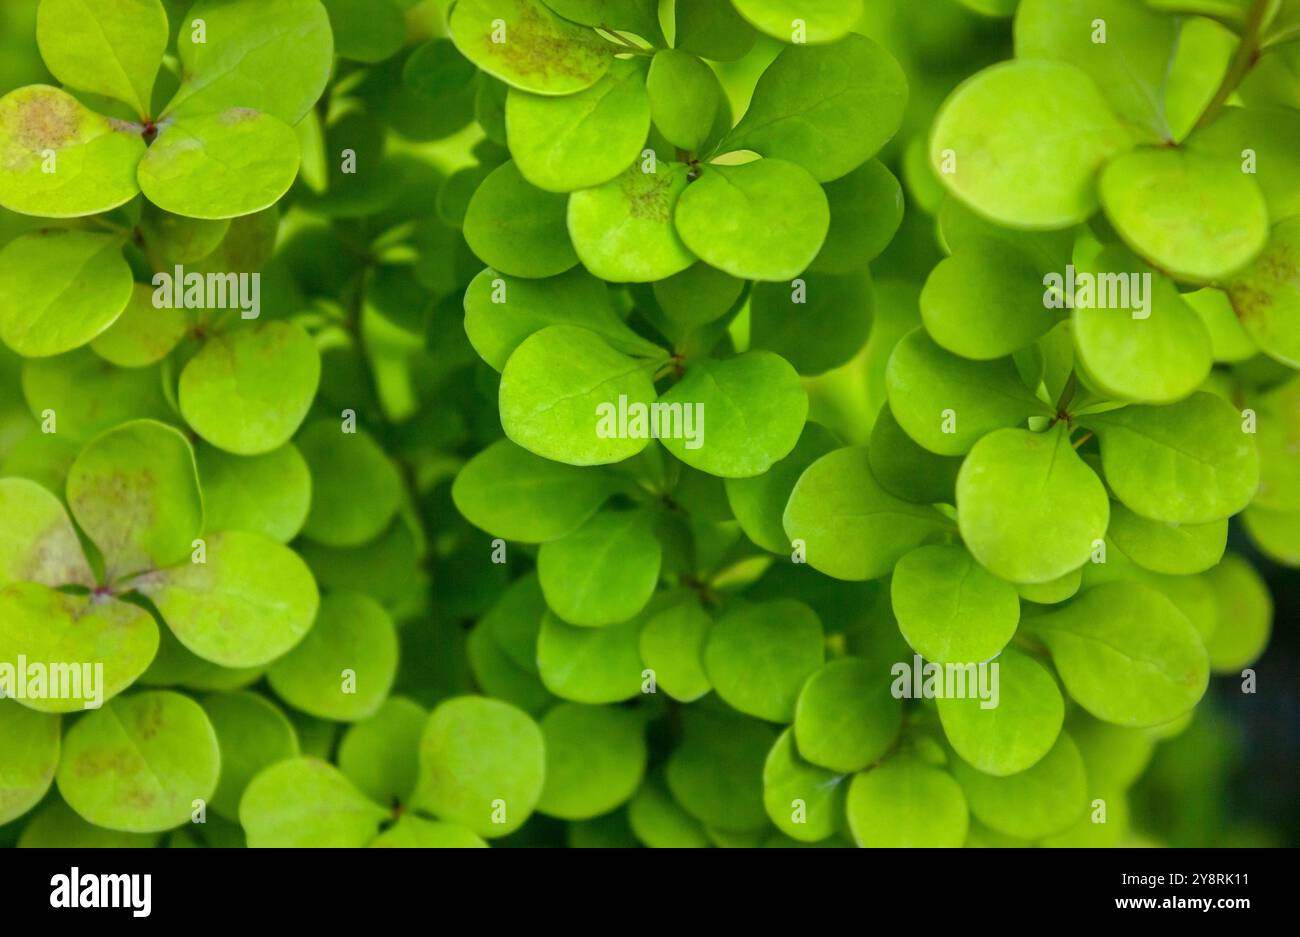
<point x="1246" y="56"/>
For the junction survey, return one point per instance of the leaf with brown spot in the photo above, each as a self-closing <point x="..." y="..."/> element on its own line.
<point x="1266" y="295"/>
<point x="37" y="541"/>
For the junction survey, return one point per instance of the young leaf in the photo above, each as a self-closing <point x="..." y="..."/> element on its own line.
<point x="672" y="645"/>
<point x="801" y="21"/>
<point x="590" y="665"/>
<point x="517" y="228"/>
<point x="343" y="464"/>
<point x="1266" y="296"/>
<point x="268" y="494"/>
<point x="113" y="47"/>
<point x="866" y="209"/>
<point x="252" y="734"/>
<point x="1170" y="548"/>
<point x="595" y="760"/>
<point x="1045" y="799"/>
<point x="819" y="794"/>
<point x="305" y="802"/>
<point x="142" y="335"/>
<point x="949" y="608"/>
<point x="685" y="95"/>
<point x="846" y="718"/>
<point x="37" y="540"/>
<point x="604" y="572"/>
<point x="380" y="755"/>
<point x="818" y="326"/>
<point x="716" y="773"/>
<point x="30" y="741"/>
<point x="906" y="803"/>
<point x="759" y="502"/>
<point x="758" y="657"/>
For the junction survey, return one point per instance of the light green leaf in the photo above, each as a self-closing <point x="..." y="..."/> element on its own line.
<point x="590" y="665"/>
<point x="252" y="734"/>
<point x="712" y="29"/>
<point x="716" y="773"/>
<point x="1197" y="216"/>
<point x="1276" y="533"/>
<point x="1245" y="615"/>
<point x="417" y="833"/>
<point x="685" y="95"/>
<point x="524" y="44"/>
<point x="758" y="657"/>
<point x="342" y="466"/>
<point x="866" y="210"/>
<point x="248" y="390"/>
<point x="746" y="414"/>
<point x="1189" y="463"/>
<point x="698" y="295"/>
<point x="1000" y="145"/>
<point x="138" y="764"/>
<point x="765" y="220"/>
<point x="906" y="470"/>
<point x="1266" y="296"/>
<point x="135" y="492"/>
<point x="380" y="755"/>
<point x="850" y="526"/>
<point x="236" y="162"/>
<point x="479" y="758"/>
<point x="1126" y="654"/>
<point x="275" y="58"/>
<point x="249" y="602"/>
<point x="789" y="781"/>
<point x="367" y="30"/>
<point x="759" y="502"/>
<point x="827" y="108"/>
<point x="1028" y="507"/>
<point x="515" y="620"/>
<point x="267" y="494"/>
<point x="672" y="645"/>
<point x="907" y="803"/>
<point x="1163" y="547"/>
<point x="623" y="230"/>
<point x="1273" y="135"/>
<point x="604" y="572"/>
<point x="846" y="718"/>
<point x="802" y="21"/>
<point x="562" y="396"/>
<point x="949" y="608"/>
<point x="307" y="803"/>
<point x="30" y="741"/>
<point x="37" y="540"/>
<point x="59" y="289"/>
<point x="345" y="666"/>
<point x="57" y="827"/>
<point x="89" y="395"/>
<point x="517" y="228"/>
<point x="109" y="47"/>
<point x="595" y="759"/>
<point x="142" y="335"/>
<point x="1047" y="798"/>
<point x="561" y="144"/>
<point x="58" y="159"/>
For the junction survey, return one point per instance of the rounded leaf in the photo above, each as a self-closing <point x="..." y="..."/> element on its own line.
<point x="307" y="803"/>
<point x="343" y="465"/>
<point x="623" y="230"/>
<point x="30" y="741"/>
<point x="804" y="801"/>
<point x="1045" y="799"/>
<point x="846" y="718"/>
<point x="802" y="20"/>
<point x="252" y="733"/>
<point x="37" y="540"/>
<point x="907" y="803"/>
<point x="951" y="609"/>
<point x="758" y="657"/>
<point x="113" y="48"/>
<point x="590" y="665"/>
<point x="267" y="494"/>
<point x="672" y="645"/>
<point x="595" y="759"/>
<point x="517" y="228"/>
<point x="604" y="572"/>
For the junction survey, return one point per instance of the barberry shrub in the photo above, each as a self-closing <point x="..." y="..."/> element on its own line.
<point x="540" y="422"/>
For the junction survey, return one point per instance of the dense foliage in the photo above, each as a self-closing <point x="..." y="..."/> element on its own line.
<point x="377" y="548"/>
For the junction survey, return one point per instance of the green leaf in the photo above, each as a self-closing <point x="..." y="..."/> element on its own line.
<point x="502" y="311"/>
<point x="482" y="765"/>
<point x="1130" y="65"/>
<point x="142" y="335"/>
<point x="37" y="541"/>
<point x="524" y="44"/>
<point x="685" y="95"/>
<point x="1019" y="728"/>
<point x="759" y="502"/>
<point x="1126" y="654"/>
<point x="580" y="140"/>
<point x="595" y="759"/>
<point x="276" y="59"/>
<point x="1028" y="507"/>
<point x="758" y="657"/>
<point x="1245" y="615"/>
<point x="716" y="773"/>
<point x="907" y="803"/>
<point x="498" y="675"/>
<point x="949" y="608"/>
<point x="417" y="833"/>
<point x="366" y="30"/>
<point x="135" y="492"/>
<point x="1273" y="133"/>
<point x="249" y="602"/>
<point x="748" y="412"/>
<point x="851" y="527"/>
<point x="946" y="403"/>
<point x="343" y="464"/>
<point x="986" y="302"/>
<point x="1197" y="216"/>
<point x="818" y="325"/>
<point x="1277" y="436"/>
<point x="307" y="803"/>
<point x="517" y="228"/>
<point x="906" y="470"/>
<point x="380" y="755"/>
<point x="804" y="801"/>
<point x="604" y="572"/>
<point x="866" y="209"/>
<point x="698" y="295"/>
<point x="658" y="822"/>
<point x="511" y="493"/>
<point x="345" y="666"/>
<point x="268" y="494"/>
<point x="1276" y="533"/>
<point x="1047" y="798"/>
<point x="561" y="394"/>
<point x="846" y="718"/>
<point x="89" y="395"/>
<point x="1189" y="463"/>
<point x="30" y="741"/>
<point x="138" y="764"/>
<point x="59" y="289"/>
<point x="113" y="47"/>
<point x="1009" y="154"/>
<point x="712" y="29"/>
<point x="765" y="220"/>
<point x="623" y="230"/>
<point x="1266" y="296"/>
<point x="672" y="645"/>
<point x="515" y="620"/>
<point x="1157" y="353"/>
<point x="1163" y="547"/>
<point x="827" y="108"/>
<point x="57" y="827"/>
<point x="252" y="734"/>
<point x="802" y="20"/>
<point x="224" y="165"/>
<point x="58" y="159"/>
<point x="590" y="665"/>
